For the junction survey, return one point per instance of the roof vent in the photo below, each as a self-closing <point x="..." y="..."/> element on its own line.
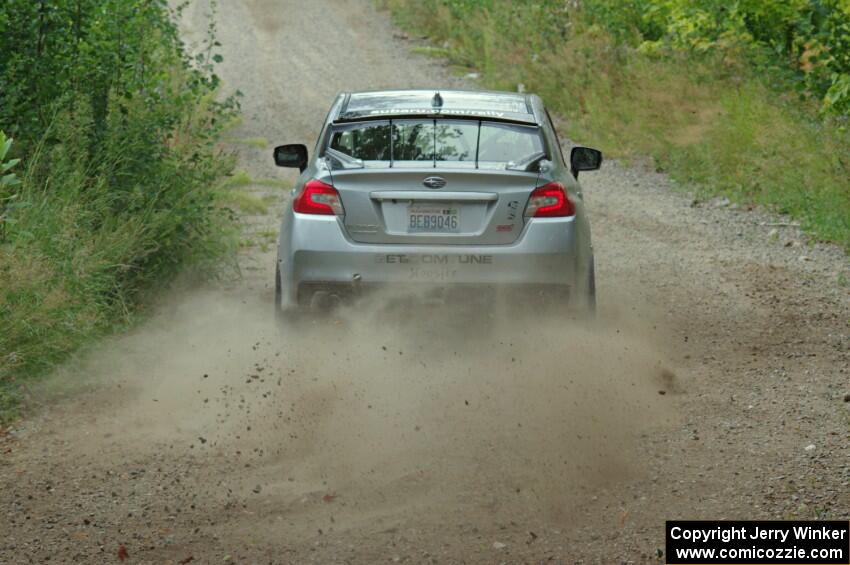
<point x="437" y="101"/>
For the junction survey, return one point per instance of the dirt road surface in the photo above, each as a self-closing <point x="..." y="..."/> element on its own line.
<point x="714" y="385"/>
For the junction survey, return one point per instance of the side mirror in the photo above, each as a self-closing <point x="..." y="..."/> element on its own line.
<point x="292" y="155"/>
<point x="584" y="159"/>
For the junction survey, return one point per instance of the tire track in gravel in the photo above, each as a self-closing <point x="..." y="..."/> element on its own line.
<point x="207" y="433"/>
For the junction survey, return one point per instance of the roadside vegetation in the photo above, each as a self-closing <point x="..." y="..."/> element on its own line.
<point x="112" y="180"/>
<point x="747" y="99"/>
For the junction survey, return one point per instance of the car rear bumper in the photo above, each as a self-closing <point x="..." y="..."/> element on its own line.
<point x="315" y="253"/>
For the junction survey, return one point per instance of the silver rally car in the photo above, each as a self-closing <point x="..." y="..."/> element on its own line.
<point x="428" y="189"/>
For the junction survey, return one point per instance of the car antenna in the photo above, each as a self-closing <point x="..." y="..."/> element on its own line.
<point x="437" y="100"/>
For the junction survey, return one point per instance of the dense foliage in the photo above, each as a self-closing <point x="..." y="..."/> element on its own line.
<point x="806" y="39"/>
<point x="116" y="128"/>
<point x="742" y="98"/>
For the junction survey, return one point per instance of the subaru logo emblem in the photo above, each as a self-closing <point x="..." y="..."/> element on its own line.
<point x="434" y="182"/>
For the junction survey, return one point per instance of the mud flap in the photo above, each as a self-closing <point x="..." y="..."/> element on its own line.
<point x="285" y="318"/>
<point x="584" y="299"/>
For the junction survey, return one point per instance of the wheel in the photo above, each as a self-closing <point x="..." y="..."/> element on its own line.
<point x="285" y="317"/>
<point x="585" y="298"/>
<point x="590" y="297"/>
<point x="278" y="295"/>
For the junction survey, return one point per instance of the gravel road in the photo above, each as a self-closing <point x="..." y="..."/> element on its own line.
<point x="715" y="385"/>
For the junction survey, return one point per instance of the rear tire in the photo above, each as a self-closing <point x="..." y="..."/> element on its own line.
<point x="278" y="294"/>
<point x="591" y="291"/>
<point x="585" y="300"/>
<point x="284" y="317"/>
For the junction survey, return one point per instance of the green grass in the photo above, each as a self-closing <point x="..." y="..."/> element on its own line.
<point x="437" y="52"/>
<point x="231" y="193"/>
<point x="245" y="202"/>
<point x="712" y="123"/>
<point x="268" y="235"/>
<point x="77" y="263"/>
<point x="273" y="183"/>
<point x="262" y="239"/>
<point x="256" y="142"/>
<point x="238" y="179"/>
<point x="242" y="179"/>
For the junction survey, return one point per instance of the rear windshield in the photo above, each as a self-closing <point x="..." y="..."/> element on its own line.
<point x="449" y="142"/>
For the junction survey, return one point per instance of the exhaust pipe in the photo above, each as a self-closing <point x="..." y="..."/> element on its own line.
<point x="321" y="300"/>
<point x="324" y="301"/>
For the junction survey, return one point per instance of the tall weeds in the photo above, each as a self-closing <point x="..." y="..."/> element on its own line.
<point x="722" y="117"/>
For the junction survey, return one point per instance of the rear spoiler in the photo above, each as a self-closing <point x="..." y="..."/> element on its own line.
<point x="382" y="114"/>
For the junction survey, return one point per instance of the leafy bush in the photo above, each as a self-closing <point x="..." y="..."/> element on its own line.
<point x="8" y="180"/>
<point x="117" y="129"/>
<point x="806" y="39"/>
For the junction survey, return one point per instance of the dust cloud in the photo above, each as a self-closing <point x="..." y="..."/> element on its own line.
<point x="428" y="405"/>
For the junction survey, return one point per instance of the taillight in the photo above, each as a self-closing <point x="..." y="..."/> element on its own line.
<point x="318" y="198"/>
<point x="549" y="201"/>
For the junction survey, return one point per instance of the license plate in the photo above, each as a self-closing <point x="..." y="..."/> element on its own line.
<point x="433" y="219"/>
